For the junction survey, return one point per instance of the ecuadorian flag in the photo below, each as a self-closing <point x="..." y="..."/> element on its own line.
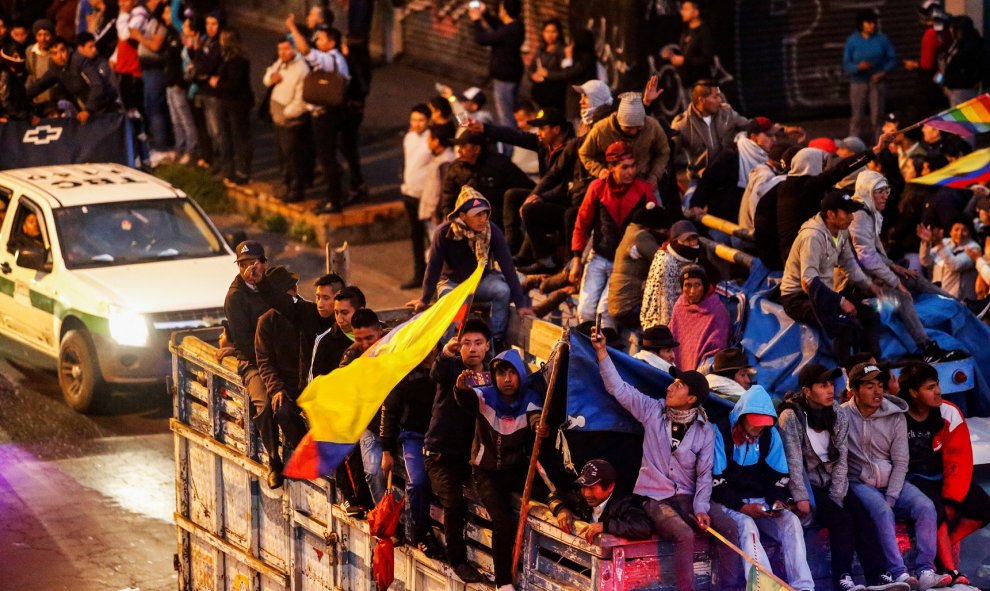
<point x="961" y="174"/>
<point x="340" y="405"/>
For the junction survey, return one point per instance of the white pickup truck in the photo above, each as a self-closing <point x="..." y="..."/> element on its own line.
<point x="98" y="264"/>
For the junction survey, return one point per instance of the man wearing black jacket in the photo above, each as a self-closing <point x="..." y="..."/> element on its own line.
<point x="251" y="295"/>
<point x="279" y="348"/>
<point x="489" y="172"/>
<point x="504" y="34"/>
<point x="603" y="509"/>
<point x="83" y="76"/>
<point x="553" y="134"/>
<point x="801" y="193"/>
<point x="447" y="445"/>
<point x="404" y="420"/>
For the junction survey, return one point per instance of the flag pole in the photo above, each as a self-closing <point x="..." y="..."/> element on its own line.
<point x="748" y="558"/>
<point x="470" y="302"/>
<point x="563" y="348"/>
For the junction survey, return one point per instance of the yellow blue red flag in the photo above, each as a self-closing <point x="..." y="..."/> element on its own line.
<point x="970" y="169"/>
<point x="340" y="405"/>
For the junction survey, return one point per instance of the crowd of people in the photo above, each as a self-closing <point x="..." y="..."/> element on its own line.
<point x="184" y="77"/>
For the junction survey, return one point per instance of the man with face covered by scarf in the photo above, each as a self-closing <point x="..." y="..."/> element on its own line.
<point x="663" y="284"/>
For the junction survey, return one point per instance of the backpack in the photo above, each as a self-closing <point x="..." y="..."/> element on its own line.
<point x="325" y="89"/>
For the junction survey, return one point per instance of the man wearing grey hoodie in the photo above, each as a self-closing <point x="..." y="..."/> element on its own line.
<point x="878" y="464"/>
<point x="898" y="282"/>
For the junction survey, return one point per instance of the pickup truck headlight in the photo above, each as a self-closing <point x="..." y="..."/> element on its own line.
<point x="128" y="329"/>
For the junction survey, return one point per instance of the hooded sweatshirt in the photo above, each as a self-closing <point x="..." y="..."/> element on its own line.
<point x="502" y="433"/>
<point x="865" y="233"/>
<point x="815" y="255"/>
<point x="799" y="197"/>
<point x="878" y="445"/>
<point x="802" y="458"/>
<point x="749" y="469"/>
<point x="665" y="472"/>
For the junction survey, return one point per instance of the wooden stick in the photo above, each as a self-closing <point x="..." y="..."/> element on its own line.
<point x="563" y="347"/>
<point x="748" y="558"/>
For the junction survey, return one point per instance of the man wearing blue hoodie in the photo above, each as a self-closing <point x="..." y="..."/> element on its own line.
<point x="751" y="485"/>
<point x="508" y="413"/>
<point x="867" y="58"/>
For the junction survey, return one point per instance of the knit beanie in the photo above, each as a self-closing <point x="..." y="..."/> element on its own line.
<point x="617" y="152"/>
<point x="631" y="111"/>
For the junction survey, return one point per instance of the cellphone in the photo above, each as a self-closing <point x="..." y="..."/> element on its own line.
<point x="598" y="324"/>
<point x="474" y="4"/>
<point x="478" y="379"/>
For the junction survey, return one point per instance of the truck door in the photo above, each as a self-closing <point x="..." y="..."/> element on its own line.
<point x="26" y="301"/>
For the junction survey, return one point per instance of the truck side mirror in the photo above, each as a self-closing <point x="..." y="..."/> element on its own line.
<point x="32" y="258"/>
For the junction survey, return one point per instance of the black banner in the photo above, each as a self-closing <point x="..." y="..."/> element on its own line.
<point x="104" y="138"/>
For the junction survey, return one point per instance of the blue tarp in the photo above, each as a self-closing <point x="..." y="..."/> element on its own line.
<point x="781" y="346"/>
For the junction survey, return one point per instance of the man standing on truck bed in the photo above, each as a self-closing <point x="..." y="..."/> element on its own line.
<point x="251" y="295"/>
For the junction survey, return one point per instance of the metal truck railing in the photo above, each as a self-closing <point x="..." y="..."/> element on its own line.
<point x="234" y="533"/>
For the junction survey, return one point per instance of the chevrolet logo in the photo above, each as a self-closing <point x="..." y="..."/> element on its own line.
<point x="42" y="135"/>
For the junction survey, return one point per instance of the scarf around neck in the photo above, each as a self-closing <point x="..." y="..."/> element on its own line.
<point x="478" y="241"/>
<point x="819" y="419"/>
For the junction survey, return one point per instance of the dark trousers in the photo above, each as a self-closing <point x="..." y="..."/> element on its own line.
<point x="204" y="143"/>
<point x="417" y="234"/>
<point x="350" y="480"/>
<point x="261" y="414"/>
<point x="845" y="338"/>
<point x="349" y="143"/>
<point x="448" y="479"/>
<point x="327" y="128"/>
<point x="289" y="419"/>
<point x="290" y="149"/>
<point x="672" y="521"/>
<point x="511" y="220"/>
<point x="236" y="121"/>
<point x="495" y="488"/>
<point x="544" y="226"/>
<point x="844" y="537"/>
<point x="131" y="92"/>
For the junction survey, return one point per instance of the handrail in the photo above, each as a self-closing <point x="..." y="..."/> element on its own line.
<point x="727" y="253"/>
<point x="726" y="227"/>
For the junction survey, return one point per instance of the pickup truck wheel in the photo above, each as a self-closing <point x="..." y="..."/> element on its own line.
<point x="78" y="371"/>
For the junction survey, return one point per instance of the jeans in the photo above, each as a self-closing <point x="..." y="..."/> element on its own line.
<point x="505" y="106"/>
<point x="845" y="537"/>
<point x="155" y="108"/>
<point x="183" y="126"/>
<point x="494" y="289"/>
<point x="237" y="135"/>
<point x="417" y="486"/>
<point x="371" y="457"/>
<point x="785" y="529"/>
<point x="905" y="306"/>
<point x="670" y="521"/>
<point x="593" y="298"/>
<point x="911" y="504"/>
<point x="859" y="94"/>
<point x="213" y="113"/>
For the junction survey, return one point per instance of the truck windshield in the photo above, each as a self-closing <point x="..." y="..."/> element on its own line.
<point x="134" y="232"/>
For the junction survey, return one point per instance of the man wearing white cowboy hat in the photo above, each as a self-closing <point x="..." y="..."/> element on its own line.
<point x="466" y="238"/>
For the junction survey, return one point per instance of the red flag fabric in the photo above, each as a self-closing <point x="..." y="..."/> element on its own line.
<point x="382" y="522"/>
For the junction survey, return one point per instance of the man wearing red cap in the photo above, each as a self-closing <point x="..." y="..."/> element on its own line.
<point x="607" y="209"/>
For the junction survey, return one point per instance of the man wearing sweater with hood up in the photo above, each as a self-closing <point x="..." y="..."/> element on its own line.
<point x="873" y="192"/>
<point x="507" y="415"/>
<point x="878" y="464"/>
<point x="750" y="487"/>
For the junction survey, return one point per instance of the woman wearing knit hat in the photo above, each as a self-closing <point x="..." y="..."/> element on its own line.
<point x="700" y="321"/>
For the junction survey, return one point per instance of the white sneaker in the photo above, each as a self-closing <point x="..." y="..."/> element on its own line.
<point x="886" y="582"/>
<point x="846" y="583"/>
<point x="908" y="580"/>
<point x="929" y="578"/>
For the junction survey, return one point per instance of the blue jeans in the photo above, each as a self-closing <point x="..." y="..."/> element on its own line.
<point x="371" y="457"/>
<point x="505" y="105"/>
<point x="417" y="486"/>
<point x="494" y="289"/>
<point x="911" y="504"/>
<point x="785" y="529"/>
<point x="222" y="150"/>
<point x="155" y="108"/>
<point x="593" y="298"/>
<point x="183" y="125"/>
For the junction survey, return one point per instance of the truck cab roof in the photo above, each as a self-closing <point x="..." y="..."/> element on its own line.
<point x="85" y="184"/>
